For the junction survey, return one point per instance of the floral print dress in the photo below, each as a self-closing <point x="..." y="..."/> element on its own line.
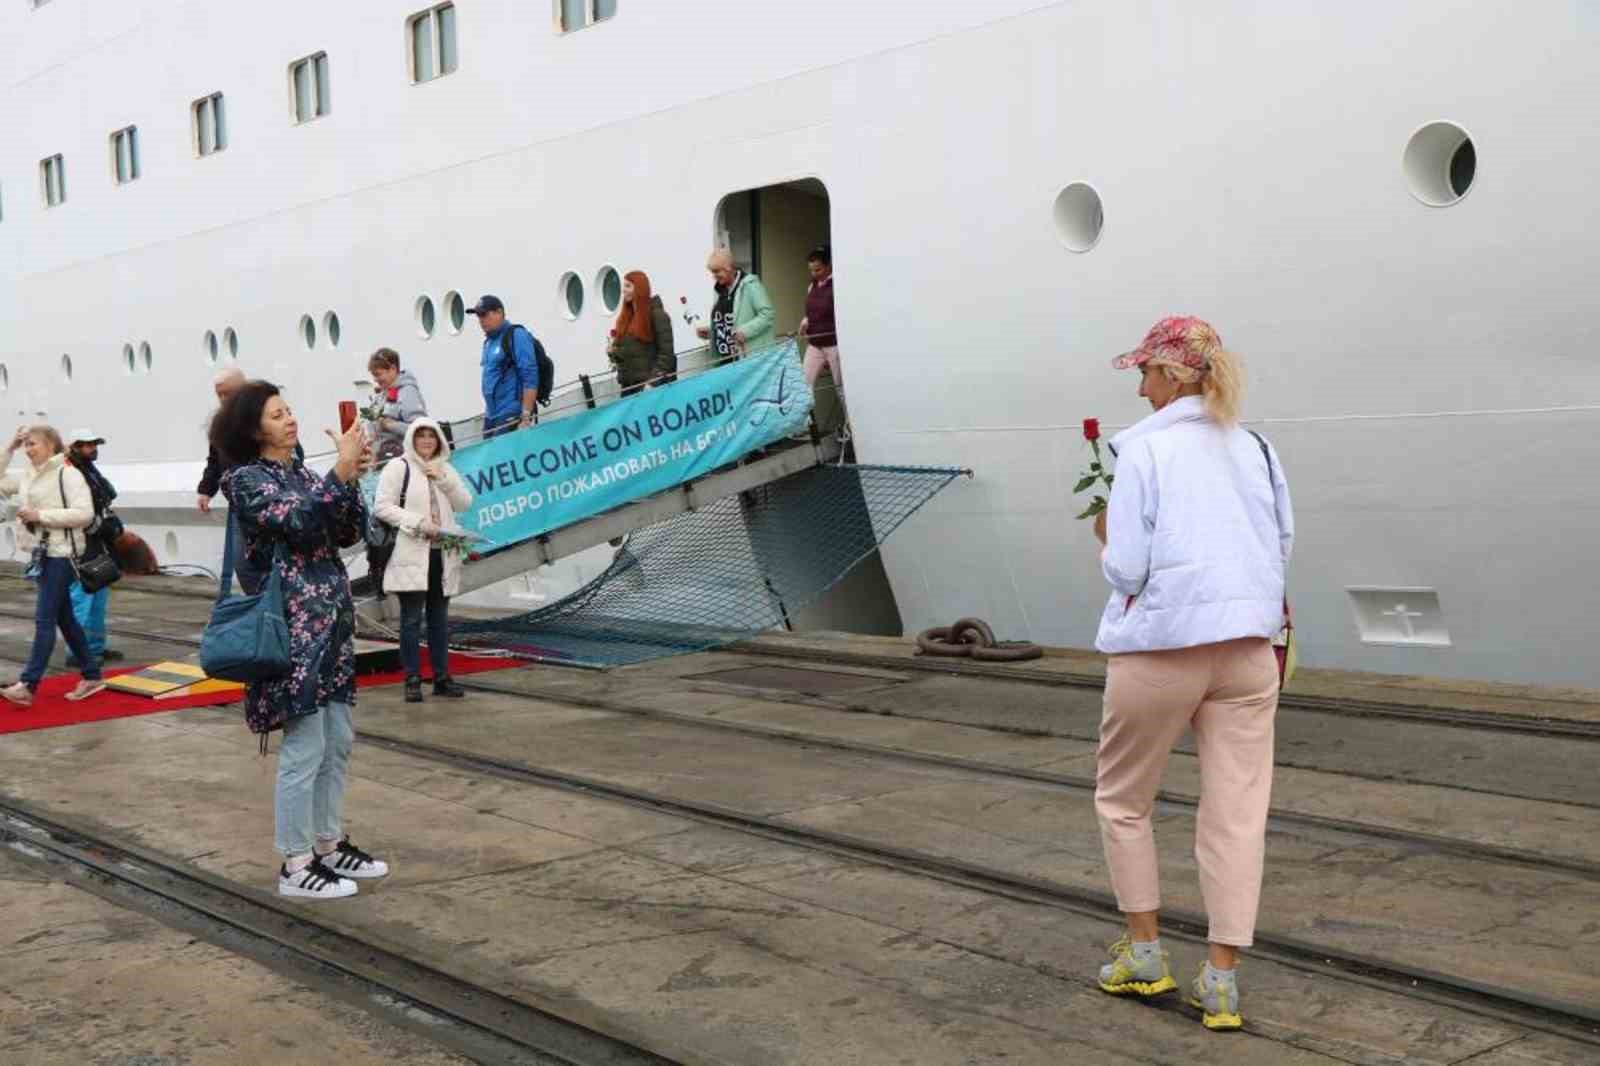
<point x="295" y="520"/>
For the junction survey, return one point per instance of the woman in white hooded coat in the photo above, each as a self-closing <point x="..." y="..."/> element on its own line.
<point x="419" y="493"/>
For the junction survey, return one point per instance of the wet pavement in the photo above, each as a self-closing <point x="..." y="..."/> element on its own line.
<point x="712" y="942"/>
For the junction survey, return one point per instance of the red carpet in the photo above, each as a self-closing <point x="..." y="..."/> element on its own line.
<point x="51" y="709"/>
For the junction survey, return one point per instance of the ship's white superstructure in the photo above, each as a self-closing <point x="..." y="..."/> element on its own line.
<point x="1418" y="329"/>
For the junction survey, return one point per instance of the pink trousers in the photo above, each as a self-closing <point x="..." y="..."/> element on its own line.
<point x="1228" y="694"/>
<point x="817" y="357"/>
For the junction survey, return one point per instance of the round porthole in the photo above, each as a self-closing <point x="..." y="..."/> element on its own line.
<point x="66" y="368"/>
<point x="209" y="347"/>
<point x="308" y="332"/>
<point x="1079" y="217"/>
<point x="170" y="543"/>
<point x="147" y="358"/>
<point x="609" y="282"/>
<point x="1440" y="164"/>
<point x="5" y="378"/>
<point x="570" y="292"/>
<point x="455" y="309"/>
<point x="230" y="341"/>
<point x="330" y="328"/>
<point x="130" y="360"/>
<point x="424" y="312"/>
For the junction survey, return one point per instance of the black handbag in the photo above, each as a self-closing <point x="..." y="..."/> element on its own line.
<point x="95" y="569"/>
<point x="380" y="537"/>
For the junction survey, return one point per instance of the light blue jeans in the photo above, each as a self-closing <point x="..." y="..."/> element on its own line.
<point x="311" y="770"/>
<point x="89" y="608"/>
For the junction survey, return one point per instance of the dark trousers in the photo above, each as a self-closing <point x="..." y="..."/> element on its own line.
<point x="53" y="610"/>
<point x="438" y="607"/>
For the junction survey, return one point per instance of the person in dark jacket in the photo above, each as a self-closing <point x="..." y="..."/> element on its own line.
<point x="83" y="452"/>
<point x="641" y="346"/>
<point x="225" y="384"/>
<point x="294" y="521"/>
<point x="822" y="336"/>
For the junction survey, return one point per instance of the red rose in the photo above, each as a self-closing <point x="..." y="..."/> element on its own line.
<point x="1091" y="429"/>
<point x="393" y="395"/>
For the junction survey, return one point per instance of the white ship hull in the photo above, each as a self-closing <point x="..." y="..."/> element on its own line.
<point x="1427" y="373"/>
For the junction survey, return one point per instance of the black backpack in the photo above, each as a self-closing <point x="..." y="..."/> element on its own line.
<point x="547" y="366"/>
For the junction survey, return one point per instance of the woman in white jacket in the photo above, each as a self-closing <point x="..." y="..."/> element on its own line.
<point x="54" y="508"/>
<point x="1196" y="541"/>
<point x="419" y="493"/>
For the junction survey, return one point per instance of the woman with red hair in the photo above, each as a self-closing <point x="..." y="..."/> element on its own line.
<point x="641" y="341"/>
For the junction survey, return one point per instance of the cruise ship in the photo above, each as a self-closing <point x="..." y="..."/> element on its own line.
<point x="1385" y="209"/>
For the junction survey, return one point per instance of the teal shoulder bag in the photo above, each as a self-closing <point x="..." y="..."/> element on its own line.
<point x="247" y="638"/>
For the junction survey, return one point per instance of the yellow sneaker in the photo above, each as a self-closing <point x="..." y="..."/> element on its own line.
<point x="1127" y="975"/>
<point x="1217" y="1000"/>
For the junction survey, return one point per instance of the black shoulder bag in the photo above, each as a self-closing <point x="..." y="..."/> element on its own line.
<point x="95" y="570"/>
<point x="380" y="535"/>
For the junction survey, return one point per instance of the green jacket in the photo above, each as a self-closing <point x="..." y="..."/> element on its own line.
<point x="753" y="314"/>
<point x="638" y="362"/>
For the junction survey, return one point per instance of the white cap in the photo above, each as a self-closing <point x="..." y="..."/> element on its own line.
<point x="84" y="435"/>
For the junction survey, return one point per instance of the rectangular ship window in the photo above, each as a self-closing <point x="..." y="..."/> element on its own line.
<point x="210" y="127"/>
<point x="433" y="43"/>
<point x="308" y="88"/>
<point x="576" y="14"/>
<point x="125" y="155"/>
<point x="53" y="180"/>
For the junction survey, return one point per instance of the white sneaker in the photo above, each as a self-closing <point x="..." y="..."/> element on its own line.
<point x="85" y="689"/>
<point x="315" y="881"/>
<point x="347" y="860"/>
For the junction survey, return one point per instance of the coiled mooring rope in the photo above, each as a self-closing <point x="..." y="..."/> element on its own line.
<point x="973" y="638"/>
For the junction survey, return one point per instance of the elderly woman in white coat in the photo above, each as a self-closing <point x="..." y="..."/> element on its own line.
<point x="54" y="507"/>
<point x="1196" y="541"/>
<point x="419" y="493"/>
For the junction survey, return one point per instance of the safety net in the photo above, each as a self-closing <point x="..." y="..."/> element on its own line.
<point x="724" y="572"/>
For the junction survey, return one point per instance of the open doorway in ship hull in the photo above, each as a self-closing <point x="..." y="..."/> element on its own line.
<point x="771" y="231"/>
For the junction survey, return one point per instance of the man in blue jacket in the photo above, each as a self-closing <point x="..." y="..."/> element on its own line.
<point x="510" y="378"/>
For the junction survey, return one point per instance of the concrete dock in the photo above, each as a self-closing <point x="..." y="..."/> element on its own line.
<point x="807" y="849"/>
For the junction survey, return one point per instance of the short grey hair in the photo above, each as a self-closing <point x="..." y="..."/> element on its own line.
<point x="227" y="374"/>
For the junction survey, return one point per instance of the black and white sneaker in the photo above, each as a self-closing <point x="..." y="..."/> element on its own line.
<point x="347" y="860"/>
<point x="315" y="881"/>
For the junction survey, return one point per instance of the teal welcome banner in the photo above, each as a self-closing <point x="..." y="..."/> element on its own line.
<point x="551" y="475"/>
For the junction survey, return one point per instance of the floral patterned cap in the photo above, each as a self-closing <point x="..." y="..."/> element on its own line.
<point x="1181" y="340"/>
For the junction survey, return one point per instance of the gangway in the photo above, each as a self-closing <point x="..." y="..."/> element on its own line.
<point x="744" y="525"/>
<point x="744" y="528"/>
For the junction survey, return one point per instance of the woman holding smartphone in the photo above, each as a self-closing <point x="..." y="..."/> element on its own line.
<point x="294" y="521"/>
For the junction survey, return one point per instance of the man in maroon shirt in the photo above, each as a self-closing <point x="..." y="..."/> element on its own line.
<point x="822" y="336"/>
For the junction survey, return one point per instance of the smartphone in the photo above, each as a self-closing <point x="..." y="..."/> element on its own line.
<point x="347" y="415"/>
